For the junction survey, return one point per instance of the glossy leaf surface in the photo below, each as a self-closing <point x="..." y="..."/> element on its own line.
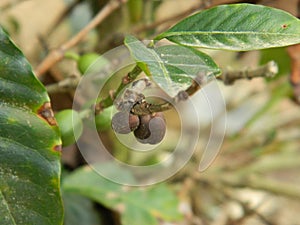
<point x="29" y="144"/>
<point x="238" y="27"/>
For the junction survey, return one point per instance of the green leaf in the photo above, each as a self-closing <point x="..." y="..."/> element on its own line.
<point x="79" y="210"/>
<point x="172" y="67"/>
<point x="238" y="27"/>
<point x="29" y="144"/>
<point x="136" y="205"/>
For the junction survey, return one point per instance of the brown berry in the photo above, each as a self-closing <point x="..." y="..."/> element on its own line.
<point x="143" y="132"/>
<point x="124" y="122"/>
<point x="157" y="127"/>
<point x="152" y="129"/>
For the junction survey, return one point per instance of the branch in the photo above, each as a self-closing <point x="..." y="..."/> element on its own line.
<point x="108" y="101"/>
<point x="57" y="54"/>
<point x="144" y="108"/>
<point x="268" y="70"/>
<point x="229" y="77"/>
<point x="66" y="85"/>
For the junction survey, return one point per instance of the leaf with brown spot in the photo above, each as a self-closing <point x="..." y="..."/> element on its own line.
<point x="29" y="144"/>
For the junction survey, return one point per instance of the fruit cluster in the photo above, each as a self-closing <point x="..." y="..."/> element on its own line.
<point x="147" y="129"/>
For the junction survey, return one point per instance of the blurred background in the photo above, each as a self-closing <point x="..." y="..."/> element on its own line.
<point x="254" y="180"/>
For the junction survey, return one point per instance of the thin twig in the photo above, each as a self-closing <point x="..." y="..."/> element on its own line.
<point x="57" y="54"/>
<point x="268" y="70"/>
<point x="108" y="101"/>
<point x="144" y="108"/>
<point x="66" y="85"/>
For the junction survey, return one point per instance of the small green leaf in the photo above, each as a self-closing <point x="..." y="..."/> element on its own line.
<point x="238" y="27"/>
<point x="136" y="205"/>
<point x="172" y="67"/>
<point x="29" y="145"/>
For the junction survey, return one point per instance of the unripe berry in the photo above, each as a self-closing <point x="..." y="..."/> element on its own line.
<point x="103" y="120"/>
<point x="86" y="60"/>
<point x="70" y="125"/>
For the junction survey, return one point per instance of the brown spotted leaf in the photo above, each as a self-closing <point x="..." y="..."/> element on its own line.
<point x="29" y="144"/>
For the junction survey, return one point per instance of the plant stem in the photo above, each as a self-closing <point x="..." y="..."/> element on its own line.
<point x="145" y="108"/>
<point x="268" y="70"/>
<point x="66" y="85"/>
<point x="57" y="54"/>
<point x="108" y="101"/>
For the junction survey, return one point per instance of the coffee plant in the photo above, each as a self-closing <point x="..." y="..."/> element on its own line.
<point x="32" y="137"/>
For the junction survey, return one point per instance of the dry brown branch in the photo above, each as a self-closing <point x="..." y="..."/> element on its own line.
<point x="57" y="54"/>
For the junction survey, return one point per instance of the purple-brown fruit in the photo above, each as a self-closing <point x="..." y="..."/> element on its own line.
<point x="124" y="122"/>
<point x="157" y="127"/>
<point x="152" y="129"/>
<point x="143" y="132"/>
